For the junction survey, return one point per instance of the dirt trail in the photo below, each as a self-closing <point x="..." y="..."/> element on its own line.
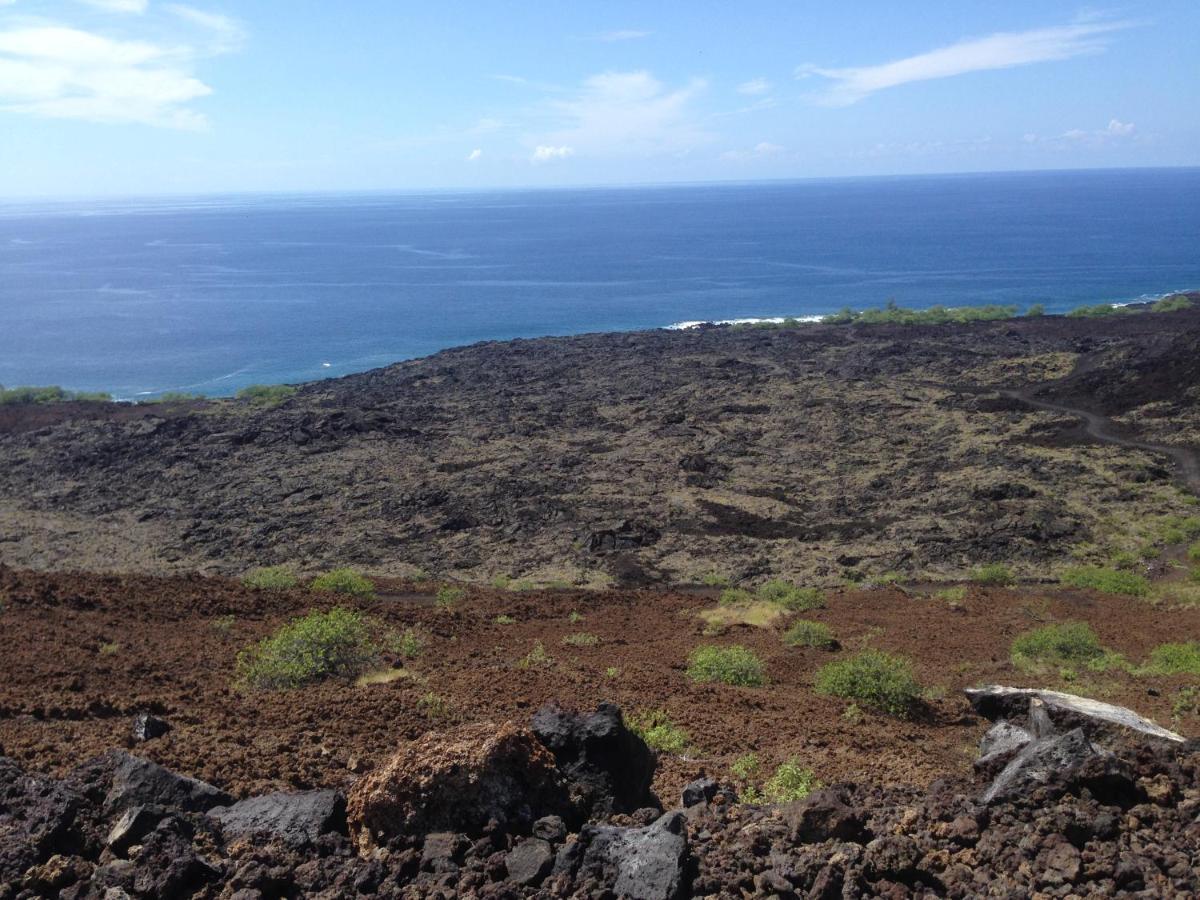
<point x="1104" y="429"/>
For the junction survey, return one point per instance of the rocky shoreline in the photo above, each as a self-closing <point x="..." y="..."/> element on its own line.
<point x="818" y="453"/>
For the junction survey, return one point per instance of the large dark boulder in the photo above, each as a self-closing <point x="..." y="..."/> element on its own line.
<point x="649" y="863"/>
<point x="38" y="818"/>
<point x="825" y="815"/>
<point x="608" y="768"/>
<point x="118" y="781"/>
<point x="296" y="818"/>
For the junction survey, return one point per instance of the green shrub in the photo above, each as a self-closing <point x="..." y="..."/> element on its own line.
<point x="536" y="658"/>
<point x="29" y="396"/>
<point x="110" y="649"/>
<point x="655" y="727"/>
<point x="735" y="665"/>
<point x="734" y="596"/>
<point x="581" y="639"/>
<point x="936" y="315"/>
<point x="995" y="573"/>
<point x="448" y="597"/>
<point x="1173" y="303"/>
<point x="501" y="582"/>
<point x="435" y="706"/>
<point x="266" y="394"/>
<point x="746" y="767"/>
<point x="1037" y="309"/>
<point x="1124" y="559"/>
<point x="344" y="581"/>
<point x="320" y="645"/>
<point x="575" y="618"/>
<point x="409" y="644"/>
<point x="1194" y="552"/>
<point x="612" y="672"/>
<point x="1109" y="581"/>
<point x="270" y="578"/>
<point x="873" y="678"/>
<point x="791" y="597"/>
<point x="1177" y="529"/>
<point x="952" y="594"/>
<point x="1176" y="659"/>
<point x="790" y="782"/>
<point x="1070" y="642"/>
<point x="504" y="619"/>
<point x="804" y="633"/>
<point x="715" y="579"/>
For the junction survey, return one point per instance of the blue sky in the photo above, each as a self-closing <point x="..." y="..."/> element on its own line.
<point x="148" y="97"/>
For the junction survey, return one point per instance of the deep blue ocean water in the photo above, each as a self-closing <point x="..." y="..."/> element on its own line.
<point x="212" y="294"/>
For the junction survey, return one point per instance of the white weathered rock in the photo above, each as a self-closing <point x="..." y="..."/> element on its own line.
<point x="997" y="701"/>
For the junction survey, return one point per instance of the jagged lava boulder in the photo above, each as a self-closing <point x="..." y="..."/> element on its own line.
<point x="609" y="768"/>
<point x="466" y="779"/>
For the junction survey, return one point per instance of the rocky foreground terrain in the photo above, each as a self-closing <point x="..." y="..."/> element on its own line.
<point x="562" y="808"/>
<point x="816" y="453"/>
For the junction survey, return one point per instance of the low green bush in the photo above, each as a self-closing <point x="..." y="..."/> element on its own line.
<point x="337" y="643"/>
<point x="1108" y="581"/>
<point x="266" y="394"/>
<point x="536" y="658"/>
<point x="791" y="597"/>
<point x="790" y="782"/>
<point x="448" y="597"/>
<point x="1069" y="642"/>
<point x="271" y="578"/>
<point x="805" y="633"/>
<point x="734" y="596"/>
<point x="408" y="644"/>
<point x="1172" y="303"/>
<point x="344" y="581"/>
<point x="655" y="727"/>
<point x="30" y="395"/>
<point x="1194" y="552"/>
<point x="1124" y="560"/>
<point x="955" y="594"/>
<point x="581" y="639"/>
<point x="1176" y="659"/>
<point x="1037" y="309"/>
<point x="872" y="678"/>
<point x="736" y="665"/>
<point x="995" y="573"/>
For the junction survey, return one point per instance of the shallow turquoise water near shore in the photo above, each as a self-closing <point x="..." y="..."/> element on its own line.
<point x="212" y="294"/>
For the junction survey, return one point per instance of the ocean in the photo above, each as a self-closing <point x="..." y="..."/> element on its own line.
<point x="212" y="294"/>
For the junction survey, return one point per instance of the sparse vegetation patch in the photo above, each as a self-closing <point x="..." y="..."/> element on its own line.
<point x="995" y="574"/>
<point x="1176" y="659"/>
<point x="655" y="727"/>
<point x="872" y="678"/>
<point x="1108" y="581"/>
<point x="271" y="578"/>
<point x="736" y="665"/>
<point x="805" y="633"/>
<point x="344" y="581"/>
<point x="338" y="643"/>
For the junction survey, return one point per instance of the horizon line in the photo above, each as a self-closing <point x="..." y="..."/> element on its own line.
<point x="581" y="186"/>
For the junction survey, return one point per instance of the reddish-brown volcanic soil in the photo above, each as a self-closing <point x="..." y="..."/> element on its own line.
<point x="63" y="698"/>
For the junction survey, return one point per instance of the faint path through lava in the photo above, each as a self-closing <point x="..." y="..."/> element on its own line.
<point x="1107" y="431"/>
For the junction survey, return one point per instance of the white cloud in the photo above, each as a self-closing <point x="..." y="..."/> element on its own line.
<point x="474" y="155"/>
<point x="1115" y="132"/>
<point x="626" y="114"/>
<point x="60" y="72"/>
<point x="224" y="34"/>
<point x="1003" y="50"/>
<point x="761" y="150"/>
<point x="754" y="87"/>
<point x="119" y="6"/>
<point x="1119" y="129"/>
<point x="546" y="153"/>
<point x="625" y="34"/>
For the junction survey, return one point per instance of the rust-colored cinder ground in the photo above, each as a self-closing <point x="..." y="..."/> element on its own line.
<point x="81" y="654"/>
